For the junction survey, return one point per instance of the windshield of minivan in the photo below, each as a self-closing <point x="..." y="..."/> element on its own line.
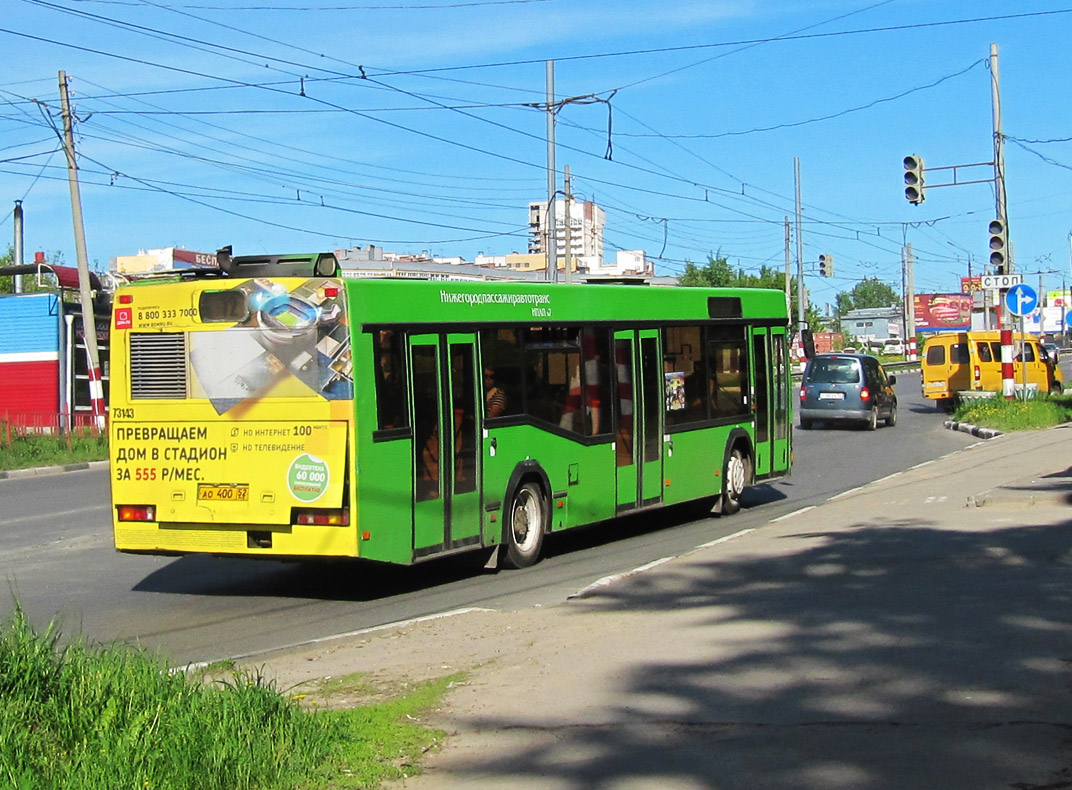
<point x="834" y="371"/>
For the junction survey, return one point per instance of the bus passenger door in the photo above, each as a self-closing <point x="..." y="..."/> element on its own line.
<point x="763" y="438"/>
<point x="465" y="387"/>
<point x="446" y="495"/>
<point x="770" y="401"/>
<point x="638" y="419"/>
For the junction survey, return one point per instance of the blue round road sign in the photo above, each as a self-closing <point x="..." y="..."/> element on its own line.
<point x="1021" y="299"/>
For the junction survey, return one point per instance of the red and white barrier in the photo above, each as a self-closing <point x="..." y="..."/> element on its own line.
<point x="1008" y="377"/>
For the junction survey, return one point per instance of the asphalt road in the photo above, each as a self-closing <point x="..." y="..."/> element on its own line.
<point x="57" y="558"/>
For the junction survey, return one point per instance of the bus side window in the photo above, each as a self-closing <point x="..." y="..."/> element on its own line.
<point x="728" y="370"/>
<point x="985" y="354"/>
<point x="500" y="353"/>
<point x="391" y="404"/>
<point x="684" y="375"/>
<point x="594" y="350"/>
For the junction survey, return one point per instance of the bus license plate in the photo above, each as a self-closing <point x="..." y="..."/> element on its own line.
<point x="223" y="492"/>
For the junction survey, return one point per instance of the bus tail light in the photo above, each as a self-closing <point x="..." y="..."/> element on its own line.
<point x="865" y="393"/>
<point x="136" y="512"/>
<point x="323" y="517"/>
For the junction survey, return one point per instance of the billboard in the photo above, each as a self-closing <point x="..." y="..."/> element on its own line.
<point x="943" y="312"/>
<point x="168" y="259"/>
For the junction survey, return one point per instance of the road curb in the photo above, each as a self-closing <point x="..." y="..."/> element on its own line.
<point x="43" y="471"/>
<point x="1015" y="500"/>
<point x="974" y="430"/>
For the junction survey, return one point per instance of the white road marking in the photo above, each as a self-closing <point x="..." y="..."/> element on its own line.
<point x="42" y="516"/>
<point x="794" y="513"/>
<point x="347" y="635"/>
<point x="608" y="580"/>
<point x="725" y="538"/>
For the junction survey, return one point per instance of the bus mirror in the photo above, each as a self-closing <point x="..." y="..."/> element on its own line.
<point x="808" y="341"/>
<point x="223" y="259"/>
<point x="326" y="265"/>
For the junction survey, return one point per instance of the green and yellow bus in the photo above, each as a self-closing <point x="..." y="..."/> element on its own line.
<point x="280" y="410"/>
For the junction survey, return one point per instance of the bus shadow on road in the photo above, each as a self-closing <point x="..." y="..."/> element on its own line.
<point x="365" y="580"/>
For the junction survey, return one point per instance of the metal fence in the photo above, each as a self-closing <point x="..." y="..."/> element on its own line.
<point x="66" y="425"/>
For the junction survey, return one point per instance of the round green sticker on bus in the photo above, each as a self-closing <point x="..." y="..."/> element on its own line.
<point x="308" y="477"/>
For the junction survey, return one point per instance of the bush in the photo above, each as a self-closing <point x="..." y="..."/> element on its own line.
<point x="1041" y="411"/>
<point x="112" y="717"/>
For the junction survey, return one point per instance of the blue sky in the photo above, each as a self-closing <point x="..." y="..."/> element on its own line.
<point x="295" y="125"/>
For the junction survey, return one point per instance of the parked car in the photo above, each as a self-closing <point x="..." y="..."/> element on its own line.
<point x="847" y="388"/>
<point x="893" y="345"/>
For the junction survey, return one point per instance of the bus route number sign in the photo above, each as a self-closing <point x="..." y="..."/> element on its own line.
<point x="1000" y="282"/>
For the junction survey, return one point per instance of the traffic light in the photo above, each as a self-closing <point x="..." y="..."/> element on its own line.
<point x="913" y="179"/>
<point x="999" y="243"/>
<point x="826" y="265"/>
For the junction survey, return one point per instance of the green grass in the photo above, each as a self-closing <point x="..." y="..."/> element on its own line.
<point x="1015" y="415"/>
<point x="82" y="717"/>
<point x="28" y="451"/>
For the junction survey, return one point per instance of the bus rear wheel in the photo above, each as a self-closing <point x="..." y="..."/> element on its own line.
<point x="734" y="478"/>
<point x="524" y="526"/>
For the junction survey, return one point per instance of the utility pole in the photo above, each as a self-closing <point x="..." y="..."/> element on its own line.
<point x="800" y="247"/>
<point x="552" y="231"/>
<point x="1005" y="322"/>
<point x="569" y="226"/>
<point x="788" y="271"/>
<point x="89" y="324"/>
<point x="999" y="149"/>
<point x="910" y="305"/>
<point x="18" y="257"/>
<point x="1042" y="311"/>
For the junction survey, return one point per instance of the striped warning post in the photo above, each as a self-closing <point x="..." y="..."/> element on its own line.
<point x="1008" y="381"/>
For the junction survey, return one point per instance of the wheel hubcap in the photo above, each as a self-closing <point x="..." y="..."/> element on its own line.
<point x="526" y="519"/>
<point x="735" y="475"/>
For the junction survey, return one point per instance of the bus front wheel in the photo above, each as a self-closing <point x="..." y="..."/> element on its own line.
<point x="524" y="526"/>
<point x="734" y="478"/>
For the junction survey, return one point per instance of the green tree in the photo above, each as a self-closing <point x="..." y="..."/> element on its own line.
<point x="29" y="281"/>
<point x="868" y="293"/>
<point x="718" y="273"/>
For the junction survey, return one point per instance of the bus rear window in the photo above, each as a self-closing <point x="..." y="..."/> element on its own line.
<point x="227" y="306"/>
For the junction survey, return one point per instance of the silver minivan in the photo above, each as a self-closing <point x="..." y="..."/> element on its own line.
<point x="847" y="388"/>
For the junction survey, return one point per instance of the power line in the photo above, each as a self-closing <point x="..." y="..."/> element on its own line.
<point x="419" y="7"/>
<point x="740" y="42"/>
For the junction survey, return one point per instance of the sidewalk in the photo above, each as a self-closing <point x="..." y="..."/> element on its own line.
<point x="915" y="633"/>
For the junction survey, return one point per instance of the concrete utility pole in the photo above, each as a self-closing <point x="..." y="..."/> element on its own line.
<point x="788" y="271"/>
<point x="1008" y="383"/>
<point x="910" y="304"/>
<point x="999" y="150"/>
<point x="800" y="247"/>
<point x="569" y="226"/>
<point x="552" y="231"/>
<point x="89" y="324"/>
